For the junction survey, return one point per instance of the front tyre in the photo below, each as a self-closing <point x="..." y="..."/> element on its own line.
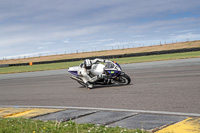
<point x="82" y="83"/>
<point x="123" y="79"/>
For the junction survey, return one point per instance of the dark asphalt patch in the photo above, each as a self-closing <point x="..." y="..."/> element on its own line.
<point x="104" y="117"/>
<point x="147" y="121"/>
<point x="66" y="115"/>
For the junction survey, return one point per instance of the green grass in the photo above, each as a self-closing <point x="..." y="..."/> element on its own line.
<point x="21" y="125"/>
<point x="65" y="65"/>
<point x="158" y="57"/>
<point x="42" y="67"/>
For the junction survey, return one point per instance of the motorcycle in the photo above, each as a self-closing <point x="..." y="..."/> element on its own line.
<point x="112" y="70"/>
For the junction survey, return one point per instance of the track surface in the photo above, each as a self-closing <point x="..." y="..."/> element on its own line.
<point x="172" y="86"/>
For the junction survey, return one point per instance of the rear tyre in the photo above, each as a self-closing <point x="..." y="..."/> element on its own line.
<point x="123" y="79"/>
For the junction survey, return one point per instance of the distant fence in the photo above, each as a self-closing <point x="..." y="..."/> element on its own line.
<point x="110" y="56"/>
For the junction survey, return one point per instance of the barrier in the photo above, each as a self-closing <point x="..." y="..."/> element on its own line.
<point x="4" y="65"/>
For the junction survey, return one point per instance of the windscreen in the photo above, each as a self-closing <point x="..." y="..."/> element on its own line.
<point x="109" y="65"/>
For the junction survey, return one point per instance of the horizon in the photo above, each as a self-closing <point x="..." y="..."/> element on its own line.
<point x="77" y="52"/>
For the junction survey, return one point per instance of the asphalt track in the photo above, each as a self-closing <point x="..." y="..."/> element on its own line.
<point x="172" y="86"/>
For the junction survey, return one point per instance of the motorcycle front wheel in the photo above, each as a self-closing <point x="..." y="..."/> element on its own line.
<point x="81" y="83"/>
<point x="123" y="79"/>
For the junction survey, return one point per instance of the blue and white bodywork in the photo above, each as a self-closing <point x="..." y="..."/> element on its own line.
<point x="73" y="70"/>
<point x="112" y="69"/>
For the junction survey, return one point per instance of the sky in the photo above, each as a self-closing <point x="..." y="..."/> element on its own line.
<point x="31" y="28"/>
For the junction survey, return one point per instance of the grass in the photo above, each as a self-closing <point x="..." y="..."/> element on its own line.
<point x="158" y="57"/>
<point x="42" y="67"/>
<point x="22" y="125"/>
<point x="65" y="65"/>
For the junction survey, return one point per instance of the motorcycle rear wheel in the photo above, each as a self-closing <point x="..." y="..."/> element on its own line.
<point x="123" y="79"/>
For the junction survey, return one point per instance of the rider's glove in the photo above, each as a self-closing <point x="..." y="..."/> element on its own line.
<point x="106" y="61"/>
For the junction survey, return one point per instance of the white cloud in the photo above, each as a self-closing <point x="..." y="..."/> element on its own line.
<point x="186" y="36"/>
<point x="47" y="43"/>
<point x="186" y="31"/>
<point x="118" y="43"/>
<point x="165" y="27"/>
<point x="40" y="47"/>
<point x="66" y="41"/>
<point x="67" y="23"/>
<point x="139" y="36"/>
<point x="105" y="40"/>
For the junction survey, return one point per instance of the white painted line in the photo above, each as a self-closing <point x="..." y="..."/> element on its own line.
<point x="110" y="109"/>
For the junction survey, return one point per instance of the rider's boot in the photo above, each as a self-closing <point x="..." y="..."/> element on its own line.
<point x="89" y="86"/>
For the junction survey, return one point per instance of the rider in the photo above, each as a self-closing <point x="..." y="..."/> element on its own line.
<point x="85" y="72"/>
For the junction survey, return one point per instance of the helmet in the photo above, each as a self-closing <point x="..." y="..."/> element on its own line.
<point x="88" y="64"/>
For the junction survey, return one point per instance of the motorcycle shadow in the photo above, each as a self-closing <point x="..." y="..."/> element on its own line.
<point x="105" y="86"/>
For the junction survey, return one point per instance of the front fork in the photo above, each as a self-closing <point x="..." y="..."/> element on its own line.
<point x="118" y="77"/>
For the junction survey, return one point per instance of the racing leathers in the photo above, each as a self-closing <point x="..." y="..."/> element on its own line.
<point x="87" y="76"/>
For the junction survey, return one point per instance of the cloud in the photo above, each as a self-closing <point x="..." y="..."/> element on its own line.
<point x="40" y="47"/>
<point x="165" y="27"/>
<point x="105" y="40"/>
<point x="138" y="36"/>
<point x="187" y="36"/>
<point x="47" y="43"/>
<point x="67" y="23"/>
<point x="118" y="43"/>
<point x="186" y="31"/>
<point x="66" y="41"/>
<point x="89" y="11"/>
